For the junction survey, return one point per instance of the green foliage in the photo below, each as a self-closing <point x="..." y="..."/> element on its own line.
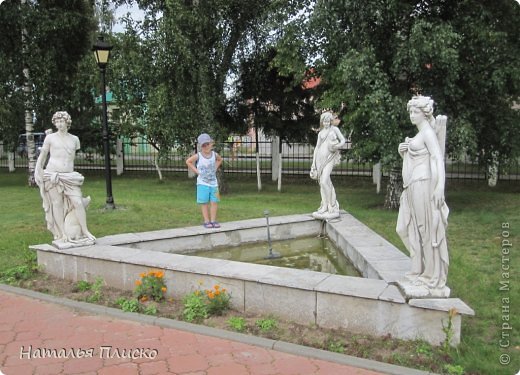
<point x="475" y="262"/>
<point x="195" y="309"/>
<point x="133" y="305"/>
<point x="150" y="285"/>
<point x="448" y="330"/>
<point x="97" y="290"/>
<point x="128" y="305"/>
<point x="237" y="323"/>
<point x="24" y="271"/>
<point x="275" y="97"/>
<point x="57" y="39"/>
<point x="16" y="274"/>
<point x="424" y="348"/>
<point x="217" y="300"/>
<point x="170" y="91"/>
<point x="454" y="369"/>
<point x="83" y="286"/>
<point x="150" y="309"/>
<point x="267" y="324"/>
<point x="336" y="346"/>
<point x="375" y="57"/>
<point x="199" y="305"/>
<point x="398" y="359"/>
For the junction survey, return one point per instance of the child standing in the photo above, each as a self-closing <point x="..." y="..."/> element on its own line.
<point x="205" y="164"/>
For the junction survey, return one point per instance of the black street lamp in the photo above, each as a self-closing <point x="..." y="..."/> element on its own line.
<point x="102" y="53"/>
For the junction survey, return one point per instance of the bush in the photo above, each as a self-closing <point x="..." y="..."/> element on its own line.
<point x="266" y="325"/>
<point x="217" y="300"/>
<point x="195" y="309"/>
<point x="128" y="305"/>
<point x="82" y="286"/>
<point x="237" y="323"/>
<point x="198" y="305"/>
<point x="97" y="289"/>
<point x="150" y="286"/>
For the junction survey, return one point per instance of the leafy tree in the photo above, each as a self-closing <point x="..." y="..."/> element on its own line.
<point x="186" y="51"/>
<point x="11" y="65"/>
<point x="375" y="55"/>
<point x="280" y="104"/>
<point x="57" y="35"/>
<point x="59" y="38"/>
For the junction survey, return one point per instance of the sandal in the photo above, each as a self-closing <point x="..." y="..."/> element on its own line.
<point x="215" y="224"/>
<point x="208" y="225"/>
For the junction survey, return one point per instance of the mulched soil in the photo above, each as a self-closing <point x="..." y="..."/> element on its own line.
<point x="414" y="354"/>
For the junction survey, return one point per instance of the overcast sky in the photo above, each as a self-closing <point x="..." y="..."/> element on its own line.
<point x="135" y="13"/>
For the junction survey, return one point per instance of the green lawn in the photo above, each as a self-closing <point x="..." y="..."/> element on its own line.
<point x="475" y="234"/>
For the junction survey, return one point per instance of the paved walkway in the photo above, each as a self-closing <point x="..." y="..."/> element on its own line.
<point x="41" y="334"/>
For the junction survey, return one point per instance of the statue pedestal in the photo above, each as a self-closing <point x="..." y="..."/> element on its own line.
<point x="326" y="215"/>
<point x="411" y="290"/>
<point x="60" y="244"/>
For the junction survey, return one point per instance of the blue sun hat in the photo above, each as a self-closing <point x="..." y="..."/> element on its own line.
<point x="204" y="138"/>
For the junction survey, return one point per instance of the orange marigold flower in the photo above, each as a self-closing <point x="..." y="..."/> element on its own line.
<point x="144" y="298"/>
<point x="223" y="290"/>
<point x="142" y="274"/>
<point x="217" y="292"/>
<point x="211" y="295"/>
<point x="163" y="289"/>
<point x="138" y="282"/>
<point x="159" y="274"/>
<point x="216" y="287"/>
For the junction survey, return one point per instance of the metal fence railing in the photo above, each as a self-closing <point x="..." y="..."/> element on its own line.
<point x="240" y="158"/>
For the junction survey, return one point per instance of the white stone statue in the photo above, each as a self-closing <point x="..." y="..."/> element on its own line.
<point x="423" y="213"/>
<point x="326" y="156"/>
<point x="60" y="186"/>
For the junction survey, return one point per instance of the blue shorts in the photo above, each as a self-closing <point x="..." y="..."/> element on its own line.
<point x="206" y="194"/>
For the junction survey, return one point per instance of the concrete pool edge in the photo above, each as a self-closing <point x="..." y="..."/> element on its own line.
<point x="372" y="305"/>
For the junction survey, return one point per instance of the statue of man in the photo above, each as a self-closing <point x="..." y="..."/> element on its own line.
<point x="60" y="186"/>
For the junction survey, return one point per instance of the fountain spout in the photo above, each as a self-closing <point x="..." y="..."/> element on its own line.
<point x="272" y="254"/>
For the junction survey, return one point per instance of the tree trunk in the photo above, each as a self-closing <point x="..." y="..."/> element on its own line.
<point x="275" y="159"/>
<point x="10" y="161"/>
<point x="157" y="167"/>
<point x="394" y="189"/>
<point x="29" y="127"/>
<point x="280" y="158"/>
<point x="492" y="174"/>
<point x="376" y="176"/>
<point x="258" y="174"/>
<point x="223" y="186"/>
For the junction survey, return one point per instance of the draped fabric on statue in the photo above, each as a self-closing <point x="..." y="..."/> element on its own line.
<point x="420" y="224"/>
<point x="68" y="184"/>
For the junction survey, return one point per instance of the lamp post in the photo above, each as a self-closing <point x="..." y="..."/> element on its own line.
<point x="102" y="53"/>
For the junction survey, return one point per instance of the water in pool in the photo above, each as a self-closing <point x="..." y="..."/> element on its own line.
<point x="308" y="253"/>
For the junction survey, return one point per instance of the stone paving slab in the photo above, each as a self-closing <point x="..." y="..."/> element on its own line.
<point x="42" y="334"/>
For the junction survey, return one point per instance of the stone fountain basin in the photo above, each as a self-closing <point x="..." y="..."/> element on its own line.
<point x="371" y="305"/>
